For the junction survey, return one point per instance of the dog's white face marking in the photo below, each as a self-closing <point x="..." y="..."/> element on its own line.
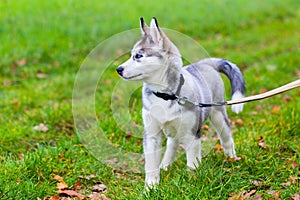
<point x="141" y="65"/>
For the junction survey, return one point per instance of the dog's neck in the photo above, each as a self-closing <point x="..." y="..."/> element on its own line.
<point x="169" y="81"/>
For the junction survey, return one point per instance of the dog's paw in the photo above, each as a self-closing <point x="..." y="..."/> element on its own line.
<point x="230" y="152"/>
<point x="165" y="166"/>
<point x="150" y="186"/>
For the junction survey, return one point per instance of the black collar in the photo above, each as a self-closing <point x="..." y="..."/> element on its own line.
<point x="166" y="96"/>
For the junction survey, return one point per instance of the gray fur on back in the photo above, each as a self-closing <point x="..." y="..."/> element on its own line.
<point x="230" y="70"/>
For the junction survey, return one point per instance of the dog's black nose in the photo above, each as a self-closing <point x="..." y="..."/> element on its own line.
<point x="120" y="70"/>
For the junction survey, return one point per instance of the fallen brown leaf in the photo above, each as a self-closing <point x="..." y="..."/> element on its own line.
<point x="218" y="149"/>
<point x="62" y="185"/>
<point x="274" y="193"/>
<point x="21" y="62"/>
<point x="94" y="196"/>
<point x="104" y="197"/>
<point x="249" y="194"/>
<point x="293" y="179"/>
<point x="239" y="122"/>
<point x="129" y="135"/>
<point x="41" y="75"/>
<point x="58" y="178"/>
<point x="236" y="196"/>
<point x="228" y="160"/>
<point x="205" y="127"/>
<point x="261" y="143"/>
<point x="275" y="109"/>
<point x="41" y="127"/>
<point x="258" y="183"/>
<point x="54" y="197"/>
<point x="259" y="107"/>
<point x="99" y="188"/>
<point x="257" y="197"/>
<point x="71" y="193"/>
<point x="286" y="98"/>
<point x="295" y="164"/>
<point x="295" y="197"/>
<point x="89" y="177"/>
<point x="263" y="91"/>
<point x="288" y="183"/>
<point x="77" y="185"/>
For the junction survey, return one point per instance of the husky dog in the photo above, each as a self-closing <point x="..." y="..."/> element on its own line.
<point x="156" y="61"/>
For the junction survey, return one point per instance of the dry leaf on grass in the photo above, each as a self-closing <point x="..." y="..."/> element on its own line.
<point x="58" y="178"/>
<point x="263" y="91"/>
<point x="41" y="75"/>
<point x="71" y="193"/>
<point x="295" y="197"/>
<point x="99" y="188"/>
<point x="97" y="196"/>
<point x="258" y="183"/>
<point x="249" y="194"/>
<point x="41" y="127"/>
<point x="257" y="197"/>
<point x="274" y="193"/>
<point x="54" y="198"/>
<point x="235" y="195"/>
<point x="286" y="98"/>
<point x="261" y="143"/>
<point x="21" y="62"/>
<point x="205" y="127"/>
<point x="239" y="122"/>
<point x="243" y="195"/>
<point x="275" y="109"/>
<point x="104" y="197"/>
<point x="94" y="196"/>
<point x="229" y="160"/>
<point x="218" y="149"/>
<point x="77" y="185"/>
<point x="62" y="185"/>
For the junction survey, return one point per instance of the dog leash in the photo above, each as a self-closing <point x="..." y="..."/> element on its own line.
<point x="284" y="88"/>
<point x="270" y="93"/>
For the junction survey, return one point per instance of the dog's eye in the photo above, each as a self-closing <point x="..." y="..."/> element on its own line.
<point x="138" y="56"/>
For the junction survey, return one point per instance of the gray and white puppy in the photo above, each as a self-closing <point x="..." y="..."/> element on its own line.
<point x="157" y="62"/>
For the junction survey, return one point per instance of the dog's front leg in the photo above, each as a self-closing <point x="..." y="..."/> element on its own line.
<point x="192" y="145"/>
<point x="169" y="156"/>
<point x="152" y="151"/>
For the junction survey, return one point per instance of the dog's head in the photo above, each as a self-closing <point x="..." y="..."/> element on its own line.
<point x="151" y="55"/>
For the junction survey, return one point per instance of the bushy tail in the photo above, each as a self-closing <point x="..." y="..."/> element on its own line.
<point x="235" y="76"/>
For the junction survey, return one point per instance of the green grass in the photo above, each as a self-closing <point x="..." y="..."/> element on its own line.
<point x="54" y="37"/>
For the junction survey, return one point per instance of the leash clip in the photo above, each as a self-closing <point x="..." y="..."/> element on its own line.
<point x="182" y="100"/>
<point x="185" y="101"/>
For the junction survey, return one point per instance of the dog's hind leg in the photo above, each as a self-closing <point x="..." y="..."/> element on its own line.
<point x="220" y="122"/>
<point x="192" y="145"/>
<point x="169" y="156"/>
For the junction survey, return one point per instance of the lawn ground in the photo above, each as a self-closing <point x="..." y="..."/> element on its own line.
<point x="42" y="45"/>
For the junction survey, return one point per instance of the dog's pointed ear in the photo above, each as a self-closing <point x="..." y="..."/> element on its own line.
<point x="161" y="39"/>
<point x="144" y="28"/>
<point x="155" y="32"/>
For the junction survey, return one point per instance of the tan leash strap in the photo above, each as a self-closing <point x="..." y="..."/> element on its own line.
<point x="270" y="93"/>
